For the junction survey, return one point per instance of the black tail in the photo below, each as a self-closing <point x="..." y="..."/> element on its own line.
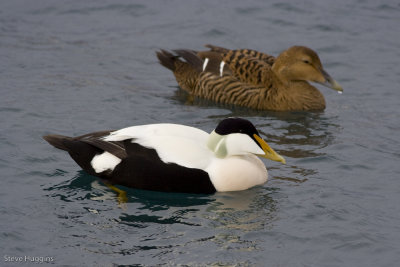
<point x="185" y="64"/>
<point x="167" y="59"/>
<point x="191" y="57"/>
<point x="57" y="140"/>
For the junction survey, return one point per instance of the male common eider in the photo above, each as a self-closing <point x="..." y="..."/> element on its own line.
<point x="173" y="157"/>
<point x="252" y="79"/>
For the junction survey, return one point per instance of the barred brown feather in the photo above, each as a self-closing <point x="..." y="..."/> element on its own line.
<point x="250" y="78"/>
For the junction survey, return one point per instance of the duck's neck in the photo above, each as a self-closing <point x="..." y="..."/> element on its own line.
<point x="293" y="95"/>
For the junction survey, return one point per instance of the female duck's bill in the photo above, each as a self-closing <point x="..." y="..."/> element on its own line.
<point x="174" y="158"/>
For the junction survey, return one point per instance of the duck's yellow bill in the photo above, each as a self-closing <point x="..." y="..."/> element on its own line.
<point x="269" y="152"/>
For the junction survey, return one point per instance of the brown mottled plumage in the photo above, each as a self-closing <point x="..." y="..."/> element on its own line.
<point x="250" y="78"/>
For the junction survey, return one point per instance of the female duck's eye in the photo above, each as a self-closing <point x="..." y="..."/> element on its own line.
<point x="306" y="61"/>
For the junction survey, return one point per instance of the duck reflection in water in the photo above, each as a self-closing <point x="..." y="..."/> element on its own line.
<point x="244" y="210"/>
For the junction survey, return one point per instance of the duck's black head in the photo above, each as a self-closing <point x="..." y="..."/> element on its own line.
<point x="237" y="125"/>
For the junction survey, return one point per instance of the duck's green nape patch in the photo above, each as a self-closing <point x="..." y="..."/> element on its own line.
<point x="215" y="144"/>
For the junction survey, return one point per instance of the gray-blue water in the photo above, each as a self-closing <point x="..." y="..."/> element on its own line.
<point x="73" y="67"/>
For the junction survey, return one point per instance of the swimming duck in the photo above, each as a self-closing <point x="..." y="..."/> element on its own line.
<point x="174" y="158"/>
<point x="250" y="78"/>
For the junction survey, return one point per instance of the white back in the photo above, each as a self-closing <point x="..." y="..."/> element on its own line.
<point x="180" y="144"/>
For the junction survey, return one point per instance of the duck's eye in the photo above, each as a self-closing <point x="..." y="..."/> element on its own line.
<point x="306" y="61"/>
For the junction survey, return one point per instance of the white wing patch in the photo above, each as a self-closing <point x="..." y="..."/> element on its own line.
<point x="205" y="63"/>
<point x="105" y="161"/>
<point x="221" y="68"/>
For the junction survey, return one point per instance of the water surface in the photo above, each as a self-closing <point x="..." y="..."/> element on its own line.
<point x="73" y="67"/>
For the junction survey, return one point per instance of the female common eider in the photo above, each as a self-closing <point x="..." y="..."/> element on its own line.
<point x="174" y="158"/>
<point x="252" y="79"/>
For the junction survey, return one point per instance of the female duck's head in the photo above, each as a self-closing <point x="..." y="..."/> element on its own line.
<point x="300" y="63"/>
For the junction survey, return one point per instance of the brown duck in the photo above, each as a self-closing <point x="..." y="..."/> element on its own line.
<point x="250" y="78"/>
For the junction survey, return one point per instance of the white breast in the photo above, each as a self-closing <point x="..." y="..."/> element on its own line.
<point x="237" y="173"/>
